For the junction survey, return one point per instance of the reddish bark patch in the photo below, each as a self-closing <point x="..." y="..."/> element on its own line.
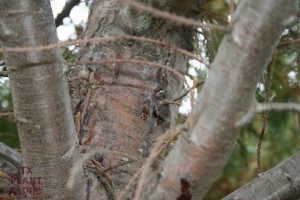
<point x="185" y="190"/>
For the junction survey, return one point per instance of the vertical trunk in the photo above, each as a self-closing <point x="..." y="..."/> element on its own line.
<point x="40" y="97"/>
<point x="118" y="102"/>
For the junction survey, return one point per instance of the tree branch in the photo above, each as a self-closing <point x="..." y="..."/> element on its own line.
<point x="173" y="17"/>
<point x="268" y="84"/>
<point x="199" y="156"/>
<point x="278" y="107"/>
<point x="266" y="107"/>
<point x="42" y="107"/>
<point x="3" y="74"/>
<point x="289" y="42"/>
<point x="6" y="113"/>
<point x="10" y="155"/>
<point x="280" y="182"/>
<point x="105" y="39"/>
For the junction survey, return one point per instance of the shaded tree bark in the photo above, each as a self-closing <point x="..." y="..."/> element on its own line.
<point x="11" y="156"/>
<point x="280" y="182"/>
<point x="40" y="96"/>
<point x="228" y="93"/>
<point x="116" y="104"/>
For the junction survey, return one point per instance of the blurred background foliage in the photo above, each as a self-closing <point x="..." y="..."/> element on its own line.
<point x="8" y="129"/>
<point x="281" y="137"/>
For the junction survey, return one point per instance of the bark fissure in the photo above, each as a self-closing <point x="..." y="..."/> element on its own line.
<point x="128" y="95"/>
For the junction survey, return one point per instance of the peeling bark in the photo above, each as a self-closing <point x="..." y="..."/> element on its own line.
<point x="118" y="102"/>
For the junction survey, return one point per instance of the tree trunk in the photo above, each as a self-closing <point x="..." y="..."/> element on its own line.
<point x="41" y="102"/>
<point x="119" y="101"/>
<point x="117" y="94"/>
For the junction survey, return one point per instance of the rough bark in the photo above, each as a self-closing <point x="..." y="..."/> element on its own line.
<point x="280" y="182"/>
<point x="12" y="157"/>
<point x="115" y="104"/>
<point x="117" y="101"/>
<point x="40" y="96"/>
<point x="202" y="151"/>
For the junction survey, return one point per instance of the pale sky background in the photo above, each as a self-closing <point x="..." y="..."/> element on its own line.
<point x="78" y="15"/>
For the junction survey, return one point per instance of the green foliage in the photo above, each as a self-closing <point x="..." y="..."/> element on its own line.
<point x="281" y="136"/>
<point x="282" y="128"/>
<point x="8" y="130"/>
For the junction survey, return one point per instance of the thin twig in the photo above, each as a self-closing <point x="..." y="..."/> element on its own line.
<point x="101" y="40"/>
<point x="3" y="73"/>
<point x="91" y="152"/>
<point x="136" y="61"/>
<point x="78" y="125"/>
<point x="266" y="113"/>
<point x="289" y="42"/>
<point x="167" y="101"/>
<point x="215" y="15"/>
<point x="86" y="104"/>
<point x="6" y="113"/>
<point x="10" y="155"/>
<point x="161" y="144"/>
<point x="259" y="144"/>
<point x="158" y="42"/>
<point x="246" y="119"/>
<point x="90" y="133"/>
<point x="175" y="18"/>
<point x="266" y="107"/>
<point x="99" y="173"/>
<point x="94" y="150"/>
<point x="186" y="93"/>
<point x="278" y="107"/>
<point x="299" y="119"/>
<point x="130" y="183"/>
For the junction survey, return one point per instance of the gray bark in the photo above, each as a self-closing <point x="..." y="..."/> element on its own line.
<point x="12" y="157"/>
<point x="202" y="151"/>
<point x="111" y="98"/>
<point x="40" y="96"/>
<point x="280" y="182"/>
